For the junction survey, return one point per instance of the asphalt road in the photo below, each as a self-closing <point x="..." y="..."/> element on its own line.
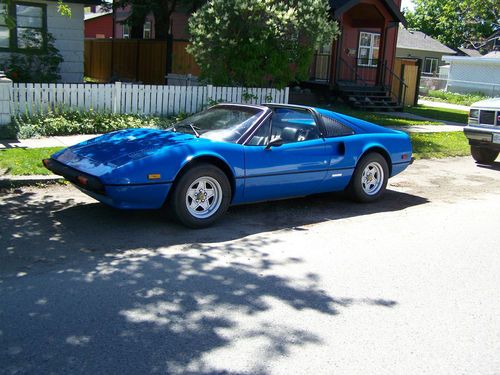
<point x="318" y="285"/>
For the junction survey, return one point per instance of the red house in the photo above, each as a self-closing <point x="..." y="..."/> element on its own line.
<point x="361" y="60"/>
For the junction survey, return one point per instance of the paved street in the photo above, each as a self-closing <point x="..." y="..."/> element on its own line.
<point x="317" y="285"/>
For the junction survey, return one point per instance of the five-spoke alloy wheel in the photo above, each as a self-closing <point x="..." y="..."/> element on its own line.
<point x="370" y="177"/>
<point x="200" y="196"/>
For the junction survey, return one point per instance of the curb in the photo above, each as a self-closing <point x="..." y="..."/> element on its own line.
<point x="21" y="181"/>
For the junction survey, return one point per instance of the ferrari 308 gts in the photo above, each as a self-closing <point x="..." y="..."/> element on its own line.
<point x="232" y="154"/>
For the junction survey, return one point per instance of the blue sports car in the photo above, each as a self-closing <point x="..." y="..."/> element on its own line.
<point x="231" y="154"/>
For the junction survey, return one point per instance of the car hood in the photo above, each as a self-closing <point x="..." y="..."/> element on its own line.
<point x="101" y="155"/>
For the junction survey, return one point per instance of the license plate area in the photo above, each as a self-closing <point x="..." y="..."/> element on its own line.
<point x="496" y="138"/>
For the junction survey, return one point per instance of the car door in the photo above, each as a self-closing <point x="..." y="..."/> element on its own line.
<point x="286" y="157"/>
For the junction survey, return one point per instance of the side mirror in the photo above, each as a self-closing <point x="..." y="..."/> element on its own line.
<point x="276" y="143"/>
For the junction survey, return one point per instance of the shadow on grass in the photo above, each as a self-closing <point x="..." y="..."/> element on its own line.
<point x="89" y="289"/>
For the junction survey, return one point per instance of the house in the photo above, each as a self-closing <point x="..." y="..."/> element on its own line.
<point x="41" y="16"/>
<point x="474" y="74"/>
<point x="178" y="25"/>
<point x="362" y="59"/>
<point x="416" y="44"/>
<point x="99" y="24"/>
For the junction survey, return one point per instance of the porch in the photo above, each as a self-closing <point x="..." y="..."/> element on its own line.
<point x="359" y="65"/>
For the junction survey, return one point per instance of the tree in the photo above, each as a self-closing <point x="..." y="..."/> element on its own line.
<point x="161" y="9"/>
<point x="455" y="22"/>
<point x="259" y="42"/>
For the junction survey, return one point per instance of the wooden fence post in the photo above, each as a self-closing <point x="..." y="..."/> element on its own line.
<point x="117" y="97"/>
<point x="287" y="93"/>
<point x="5" y="100"/>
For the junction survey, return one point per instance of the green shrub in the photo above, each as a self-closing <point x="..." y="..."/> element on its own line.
<point x="455" y="98"/>
<point x="259" y="42"/>
<point x="70" y="122"/>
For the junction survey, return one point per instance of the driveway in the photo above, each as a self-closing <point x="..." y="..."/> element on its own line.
<point x="316" y="285"/>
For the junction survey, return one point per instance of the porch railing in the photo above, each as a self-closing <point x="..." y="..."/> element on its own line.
<point x="361" y="71"/>
<point x="396" y="86"/>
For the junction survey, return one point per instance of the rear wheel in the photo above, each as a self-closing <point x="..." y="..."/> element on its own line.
<point x="200" y="196"/>
<point x="483" y="155"/>
<point x="369" y="180"/>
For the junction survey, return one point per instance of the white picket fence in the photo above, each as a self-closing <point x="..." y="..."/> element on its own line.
<point x="28" y="98"/>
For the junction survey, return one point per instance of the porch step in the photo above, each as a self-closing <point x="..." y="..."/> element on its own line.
<point x="368" y="98"/>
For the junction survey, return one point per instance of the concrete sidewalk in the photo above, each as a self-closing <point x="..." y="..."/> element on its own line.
<point x="59" y="141"/>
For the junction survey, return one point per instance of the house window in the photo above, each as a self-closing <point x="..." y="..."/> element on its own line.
<point x="126" y="31"/>
<point x="30" y="26"/>
<point x="368" y="49"/>
<point x="430" y="65"/>
<point x="146" y="30"/>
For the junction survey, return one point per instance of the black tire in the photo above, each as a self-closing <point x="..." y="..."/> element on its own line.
<point x="358" y="189"/>
<point x="178" y="200"/>
<point x="483" y="155"/>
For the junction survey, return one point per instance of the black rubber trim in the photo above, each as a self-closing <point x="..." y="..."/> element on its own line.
<point x="71" y="174"/>
<point x="299" y="172"/>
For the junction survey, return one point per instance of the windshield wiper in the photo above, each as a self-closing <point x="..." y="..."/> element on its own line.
<point x="189" y="125"/>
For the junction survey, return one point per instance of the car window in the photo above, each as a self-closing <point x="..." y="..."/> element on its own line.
<point x="293" y="125"/>
<point x="223" y="123"/>
<point x="335" y="128"/>
<point x="261" y="136"/>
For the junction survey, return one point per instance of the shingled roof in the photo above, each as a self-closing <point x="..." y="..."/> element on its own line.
<point x="340" y="6"/>
<point x="419" y="41"/>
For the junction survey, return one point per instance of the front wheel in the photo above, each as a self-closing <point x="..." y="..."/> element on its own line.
<point x="370" y="177"/>
<point x="201" y="196"/>
<point x="483" y="155"/>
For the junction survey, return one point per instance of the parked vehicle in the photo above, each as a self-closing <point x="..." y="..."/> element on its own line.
<point x="483" y="130"/>
<point x="232" y="154"/>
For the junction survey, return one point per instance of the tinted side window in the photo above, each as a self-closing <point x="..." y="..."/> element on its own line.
<point x="292" y="125"/>
<point x="335" y="128"/>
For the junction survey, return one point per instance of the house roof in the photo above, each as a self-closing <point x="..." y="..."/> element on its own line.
<point x="417" y="40"/>
<point x="340" y="6"/>
<point x="470" y="52"/>
<point x="91" y="16"/>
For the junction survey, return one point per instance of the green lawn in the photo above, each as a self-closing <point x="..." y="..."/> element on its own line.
<point x="25" y="161"/>
<point x="439" y="145"/>
<point x="454" y="98"/>
<point x="21" y="161"/>
<point x="386" y="119"/>
<point x="443" y="114"/>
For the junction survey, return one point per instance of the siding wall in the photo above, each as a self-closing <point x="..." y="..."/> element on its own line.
<point x="419" y="54"/>
<point x="68" y="33"/>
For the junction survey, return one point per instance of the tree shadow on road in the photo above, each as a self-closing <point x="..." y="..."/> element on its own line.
<point x="89" y="289"/>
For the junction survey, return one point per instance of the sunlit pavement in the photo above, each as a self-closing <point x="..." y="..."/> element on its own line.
<point x="316" y="285"/>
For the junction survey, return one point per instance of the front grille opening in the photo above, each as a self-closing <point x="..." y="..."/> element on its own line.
<point x="487" y="117"/>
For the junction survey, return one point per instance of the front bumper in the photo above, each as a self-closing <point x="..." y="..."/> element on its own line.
<point x="483" y="137"/>
<point x="81" y="179"/>
<point x="130" y="196"/>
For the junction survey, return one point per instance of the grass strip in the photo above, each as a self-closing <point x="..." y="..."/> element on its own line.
<point x="439" y="145"/>
<point x="25" y="161"/>
<point x="443" y="114"/>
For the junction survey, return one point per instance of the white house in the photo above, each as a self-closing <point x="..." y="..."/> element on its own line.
<point x="474" y="74"/>
<point x="41" y="16"/>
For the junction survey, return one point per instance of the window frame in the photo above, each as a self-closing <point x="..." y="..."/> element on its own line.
<point x="431" y="59"/>
<point x="371" y="48"/>
<point x="13" y="39"/>
<point x="149" y="30"/>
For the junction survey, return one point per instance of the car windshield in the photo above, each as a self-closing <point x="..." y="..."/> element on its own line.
<point x="220" y="123"/>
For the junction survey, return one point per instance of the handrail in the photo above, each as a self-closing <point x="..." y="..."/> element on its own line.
<point x="404" y="86"/>
<point x="356" y="75"/>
